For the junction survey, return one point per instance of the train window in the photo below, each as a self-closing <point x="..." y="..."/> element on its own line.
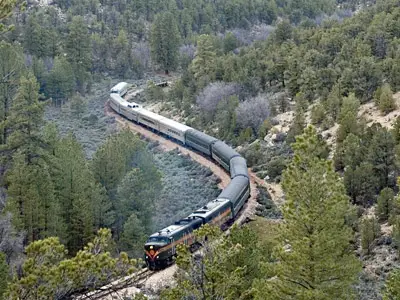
<point x="147" y="120"/>
<point x="158" y="239"/>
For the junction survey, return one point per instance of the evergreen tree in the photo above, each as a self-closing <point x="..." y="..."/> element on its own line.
<point x="348" y="117"/>
<point x="204" y="63"/>
<point x="382" y="156"/>
<point x="31" y="199"/>
<point x="315" y="259"/>
<point x="114" y="159"/>
<point x="137" y="194"/>
<point x="11" y="67"/>
<point x="386" y="102"/>
<point x="385" y="203"/>
<point x="361" y="184"/>
<point x="60" y="81"/>
<point x="78" y="105"/>
<point x="392" y="286"/>
<point x="298" y="125"/>
<point x="48" y="274"/>
<point x="78" y="50"/>
<point x="370" y="230"/>
<point x="333" y="102"/>
<point x="30" y="189"/>
<point x="74" y="188"/>
<point x="3" y="274"/>
<point x="165" y="41"/>
<point x="396" y="130"/>
<point x="25" y="120"/>
<point x="133" y="236"/>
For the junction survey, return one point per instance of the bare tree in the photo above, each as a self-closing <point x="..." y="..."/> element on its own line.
<point x="213" y="93"/>
<point x="253" y="112"/>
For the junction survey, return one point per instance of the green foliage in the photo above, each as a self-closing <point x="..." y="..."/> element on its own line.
<point x="113" y="159"/>
<point x="385" y="203"/>
<point x="154" y="92"/>
<point x="78" y="50"/>
<point x="203" y="65"/>
<point x="386" y="101"/>
<point x="226" y="269"/>
<point x="3" y="275"/>
<point x="370" y="231"/>
<point x="298" y="125"/>
<point x="348" y="117"/>
<point x="318" y="114"/>
<point x="78" y="105"/>
<point x="60" y="81"/>
<point x="47" y="274"/>
<point x="381" y="155"/>
<point x="11" y="67"/>
<point x="133" y="236"/>
<point x="165" y="40"/>
<point x="392" y="286"/>
<point x="137" y="193"/>
<point x="361" y="184"/>
<point x="314" y="259"/>
<point x="395" y="220"/>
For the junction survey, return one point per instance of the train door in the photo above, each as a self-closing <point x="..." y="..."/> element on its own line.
<point x="173" y="249"/>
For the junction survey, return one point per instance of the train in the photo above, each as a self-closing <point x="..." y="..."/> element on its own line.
<point x="160" y="248"/>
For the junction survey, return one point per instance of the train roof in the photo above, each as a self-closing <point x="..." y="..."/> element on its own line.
<point x="224" y="150"/>
<point x="117" y="97"/>
<point x="119" y="86"/>
<point x="234" y="188"/>
<point x="169" y="231"/>
<point x="174" y="124"/>
<point x="151" y="115"/>
<point x="210" y="207"/>
<point x="201" y="136"/>
<point x="238" y="166"/>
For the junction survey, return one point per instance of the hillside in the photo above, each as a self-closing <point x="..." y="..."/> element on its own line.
<point x="81" y="193"/>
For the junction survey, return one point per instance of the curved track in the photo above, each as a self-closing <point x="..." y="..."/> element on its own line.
<point x="162" y="278"/>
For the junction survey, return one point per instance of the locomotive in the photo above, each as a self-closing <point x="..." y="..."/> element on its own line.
<point x="160" y="248"/>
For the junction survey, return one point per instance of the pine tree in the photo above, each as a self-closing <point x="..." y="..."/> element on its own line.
<point x="298" y="125"/>
<point x="136" y="194"/>
<point x="361" y="184"/>
<point x="133" y="236"/>
<point x="3" y="275"/>
<point x="385" y="203"/>
<point x="48" y="274"/>
<point x="386" y="100"/>
<point x="392" y="286"/>
<point x="113" y="160"/>
<point x="11" y="67"/>
<point x="370" y="230"/>
<point x="348" y="117"/>
<point x="25" y="120"/>
<point x="334" y="102"/>
<point x="203" y="65"/>
<point x="74" y="188"/>
<point x="165" y="40"/>
<point x="382" y="156"/>
<point x="30" y="188"/>
<point x="31" y="199"/>
<point x="78" y="50"/>
<point x="315" y="259"/>
<point x="60" y="81"/>
<point x="78" y="105"/>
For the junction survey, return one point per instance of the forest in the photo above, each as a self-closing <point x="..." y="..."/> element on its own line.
<point x="79" y="196"/>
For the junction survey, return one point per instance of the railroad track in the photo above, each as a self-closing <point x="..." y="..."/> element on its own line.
<point x="134" y="280"/>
